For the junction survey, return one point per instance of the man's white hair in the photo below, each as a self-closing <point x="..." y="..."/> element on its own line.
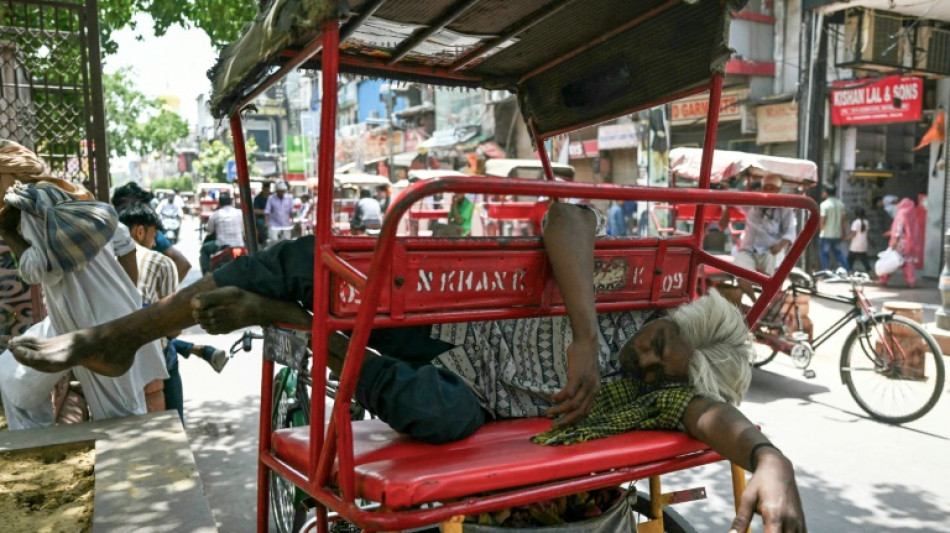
<point x="721" y="366"/>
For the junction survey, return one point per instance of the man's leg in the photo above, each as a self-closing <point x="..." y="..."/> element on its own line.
<point x="207" y="250"/>
<point x="425" y="402"/>
<point x="109" y="349"/>
<point x="823" y="246"/>
<point x="839" y="253"/>
<point x="284" y="272"/>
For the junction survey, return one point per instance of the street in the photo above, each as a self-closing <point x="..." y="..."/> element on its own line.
<point x="854" y="473"/>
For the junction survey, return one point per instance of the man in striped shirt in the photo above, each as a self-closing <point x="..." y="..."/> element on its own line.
<point x="158" y="278"/>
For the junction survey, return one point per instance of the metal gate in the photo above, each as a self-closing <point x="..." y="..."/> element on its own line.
<point x="51" y="101"/>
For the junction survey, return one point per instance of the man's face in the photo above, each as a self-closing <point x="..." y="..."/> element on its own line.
<point x="657" y="353"/>
<point x="281" y="193"/>
<point x="144" y="236"/>
<point x="771" y="188"/>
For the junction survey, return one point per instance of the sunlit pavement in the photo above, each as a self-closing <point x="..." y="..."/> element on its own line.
<point x="855" y="474"/>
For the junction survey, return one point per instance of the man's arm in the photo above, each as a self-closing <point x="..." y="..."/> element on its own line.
<point x="569" y="243"/>
<point x="772" y="491"/>
<point x="9" y="218"/>
<point x="724" y="218"/>
<point x="789" y="231"/>
<point x="181" y="263"/>
<point x="130" y="265"/>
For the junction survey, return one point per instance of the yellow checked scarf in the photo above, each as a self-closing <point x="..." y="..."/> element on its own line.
<point x="622" y="406"/>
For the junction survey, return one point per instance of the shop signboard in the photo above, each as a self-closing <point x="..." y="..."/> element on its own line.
<point x="617" y="136"/>
<point x="693" y="110"/>
<point x="777" y="123"/>
<point x="877" y="101"/>
<point x="296" y="153"/>
<point x="582" y="149"/>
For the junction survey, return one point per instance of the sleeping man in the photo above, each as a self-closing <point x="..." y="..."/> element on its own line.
<point x="681" y="370"/>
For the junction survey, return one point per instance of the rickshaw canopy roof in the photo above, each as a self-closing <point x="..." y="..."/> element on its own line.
<point x="504" y="167"/>
<point x="425" y="174"/>
<point x="570" y="62"/>
<point x="356" y="179"/>
<point x="685" y="162"/>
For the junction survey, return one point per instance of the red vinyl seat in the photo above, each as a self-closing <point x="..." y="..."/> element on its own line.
<point x="400" y="472"/>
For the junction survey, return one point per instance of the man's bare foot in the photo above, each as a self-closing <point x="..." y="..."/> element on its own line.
<point x="79" y="348"/>
<point x="229" y="308"/>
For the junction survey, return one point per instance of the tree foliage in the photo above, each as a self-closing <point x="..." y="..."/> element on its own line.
<point x="183" y="182"/>
<point x="212" y="163"/>
<point x="221" y="20"/>
<point x="138" y="124"/>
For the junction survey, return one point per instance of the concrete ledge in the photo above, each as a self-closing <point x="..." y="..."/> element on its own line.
<point x="146" y="477"/>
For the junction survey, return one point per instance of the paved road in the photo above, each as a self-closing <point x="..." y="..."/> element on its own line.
<point x="855" y="474"/>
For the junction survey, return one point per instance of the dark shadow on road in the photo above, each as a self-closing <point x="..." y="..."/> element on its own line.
<point x="829" y="507"/>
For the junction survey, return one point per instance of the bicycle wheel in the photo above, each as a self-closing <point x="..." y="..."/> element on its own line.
<point x="762" y="354"/>
<point x="893" y="368"/>
<point x="673" y="522"/>
<point x="291" y="409"/>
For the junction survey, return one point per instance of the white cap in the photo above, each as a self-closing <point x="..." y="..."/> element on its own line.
<point x="281" y="186"/>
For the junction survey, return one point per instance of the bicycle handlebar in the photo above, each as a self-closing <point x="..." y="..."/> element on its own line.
<point x="246" y="342"/>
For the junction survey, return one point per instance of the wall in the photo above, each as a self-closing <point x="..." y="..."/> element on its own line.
<point x="937" y="202"/>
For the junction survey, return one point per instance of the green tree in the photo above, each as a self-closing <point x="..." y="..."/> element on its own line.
<point x="212" y="162"/>
<point x="160" y="133"/>
<point x="221" y="20"/>
<point x="138" y="124"/>
<point x="124" y="105"/>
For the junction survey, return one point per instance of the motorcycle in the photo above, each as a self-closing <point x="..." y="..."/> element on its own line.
<point x="171" y="222"/>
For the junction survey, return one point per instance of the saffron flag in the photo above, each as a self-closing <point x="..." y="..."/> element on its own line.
<point x="936" y="133"/>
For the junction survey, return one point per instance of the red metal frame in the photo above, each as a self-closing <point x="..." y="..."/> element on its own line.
<point x="331" y="444"/>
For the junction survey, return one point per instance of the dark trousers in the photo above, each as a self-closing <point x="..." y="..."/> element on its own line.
<point x="855" y="257"/>
<point x="401" y="387"/>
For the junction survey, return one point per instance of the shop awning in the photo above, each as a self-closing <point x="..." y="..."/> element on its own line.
<point x="684" y="162"/>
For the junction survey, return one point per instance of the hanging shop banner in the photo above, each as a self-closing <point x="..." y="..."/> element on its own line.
<point x="582" y="149"/>
<point x="777" y="123"/>
<point x="617" y="136"/>
<point x="877" y="101"/>
<point x="693" y="110"/>
<point x="296" y="153"/>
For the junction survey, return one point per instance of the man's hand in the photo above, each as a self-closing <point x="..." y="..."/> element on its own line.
<point x="9" y="218"/>
<point x="575" y="400"/>
<point x="779" y="246"/>
<point x="773" y="493"/>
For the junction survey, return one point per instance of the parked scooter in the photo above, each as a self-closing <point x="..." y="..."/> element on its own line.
<point x="225" y="256"/>
<point x="171" y="222"/>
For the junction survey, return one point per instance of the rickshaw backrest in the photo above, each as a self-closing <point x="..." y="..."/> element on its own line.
<point x="515" y="274"/>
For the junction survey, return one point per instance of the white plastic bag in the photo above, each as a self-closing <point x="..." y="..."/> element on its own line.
<point x="888" y="261"/>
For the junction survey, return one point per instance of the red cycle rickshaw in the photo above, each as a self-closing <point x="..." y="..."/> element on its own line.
<point x="571" y="64"/>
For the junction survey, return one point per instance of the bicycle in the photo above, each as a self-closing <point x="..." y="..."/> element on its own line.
<point x="291" y="401"/>
<point x="892" y="367"/>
